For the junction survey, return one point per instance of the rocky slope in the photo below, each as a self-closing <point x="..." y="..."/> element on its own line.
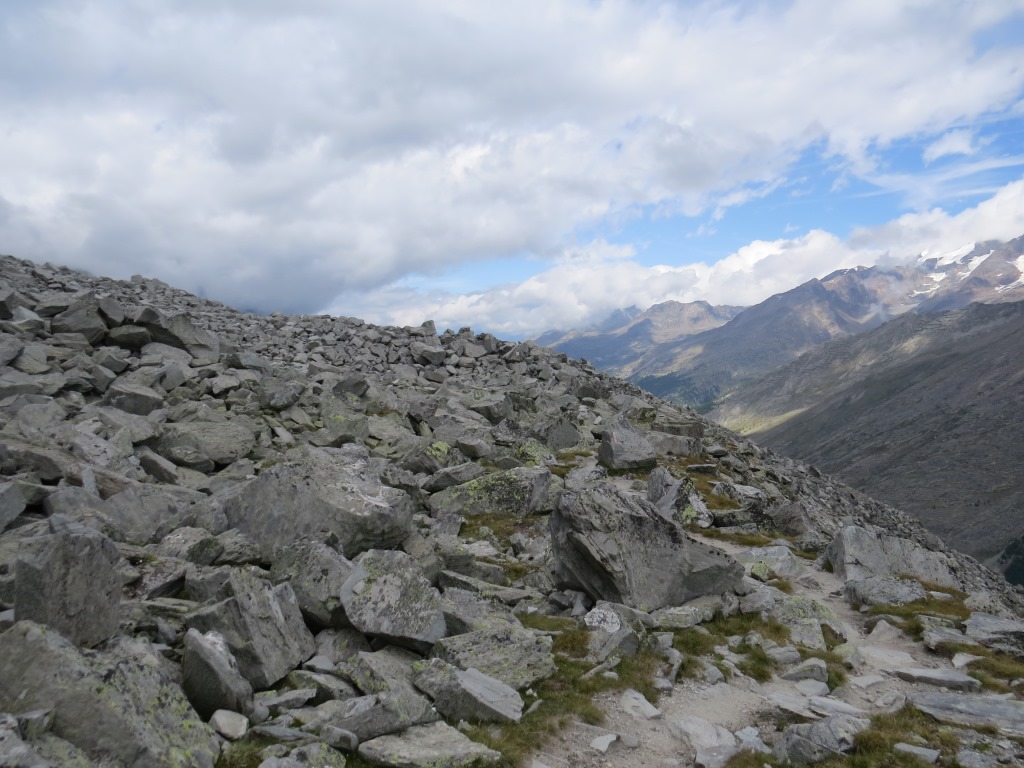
<point x="914" y="413"/>
<point x="287" y="541"/>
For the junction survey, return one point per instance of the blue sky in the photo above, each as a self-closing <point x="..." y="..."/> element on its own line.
<point x="514" y="167"/>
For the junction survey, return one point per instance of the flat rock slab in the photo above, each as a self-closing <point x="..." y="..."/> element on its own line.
<point x="1006" y="635"/>
<point x="467" y="694"/>
<point x="886" y="659"/>
<point x="946" y="678"/>
<point x="1005" y="714"/>
<point x="437" y="745"/>
<point x="387" y="596"/>
<point x="514" y="655"/>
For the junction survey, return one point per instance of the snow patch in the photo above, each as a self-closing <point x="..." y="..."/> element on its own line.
<point x="948" y="259"/>
<point x="1019" y="264"/>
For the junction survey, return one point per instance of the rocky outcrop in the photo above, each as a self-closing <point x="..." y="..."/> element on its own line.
<point x="319" y="535"/>
<point x="616" y="547"/>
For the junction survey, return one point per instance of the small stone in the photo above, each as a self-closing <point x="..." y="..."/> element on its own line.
<point x="928" y="756"/>
<point x="638" y="707"/>
<point x="603" y="743"/>
<point x="230" y="725"/>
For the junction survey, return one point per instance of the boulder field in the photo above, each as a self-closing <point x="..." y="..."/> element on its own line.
<point x="315" y="537"/>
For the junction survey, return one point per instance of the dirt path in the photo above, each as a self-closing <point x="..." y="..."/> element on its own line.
<point x="741" y="702"/>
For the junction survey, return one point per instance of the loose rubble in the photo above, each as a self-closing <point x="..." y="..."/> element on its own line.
<point x="323" y="537"/>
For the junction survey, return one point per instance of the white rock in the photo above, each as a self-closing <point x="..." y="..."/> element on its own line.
<point x="639" y="708"/>
<point x="230" y="725"/>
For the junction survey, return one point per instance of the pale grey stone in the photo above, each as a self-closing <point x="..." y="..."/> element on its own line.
<point x="514" y="655"/>
<point x="210" y="676"/>
<point x="467" y="694"/>
<point x="809" y="743"/>
<point x="615" y="547"/>
<point x="70" y="579"/>
<point x="386" y="596"/>
<point x="316" y="573"/>
<point x="104" y="704"/>
<point x="925" y="755"/>
<point x="261" y="625"/>
<point x="636" y="705"/>
<point x="946" y="678"/>
<point x="625" y="447"/>
<point x="321" y="493"/>
<point x="231" y="725"/>
<point x="437" y="745"/>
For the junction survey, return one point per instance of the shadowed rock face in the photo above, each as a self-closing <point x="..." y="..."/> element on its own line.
<point x="616" y="547"/>
<point x="187" y="496"/>
<point x="915" y="413"/>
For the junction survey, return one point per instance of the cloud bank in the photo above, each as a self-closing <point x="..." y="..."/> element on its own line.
<point x="297" y="156"/>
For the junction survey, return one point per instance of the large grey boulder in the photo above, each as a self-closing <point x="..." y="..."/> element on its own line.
<point x="386" y="596"/>
<point x="325" y="494"/>
<point x="261" y="625"/>
<point x="204" y="445"/>
<point x="624" y="447"/>
<point x="82" y="316"/>
<point x="121" y="706"/>
<point x="12" y="504"/>
<point x="316" y="573"/>
<point x="391" y="703"/>
<point x="179" y="331"/>
<point x="210" y="676"/>
<point x="467" y="694"/>
<point x="971" y="710"/>
<point x="437" y="745"/>
<point x="997" y="632"/>
<point x="512" y="654"/>
<point x="616" y="547"/>
<point x="133" y="398"/>
<point x="515" y="492"/>
<point x="70" y="580"/>
<point x="857" y="553"/>
<point x="883" y="590"/>
<point x="809" y="743"/>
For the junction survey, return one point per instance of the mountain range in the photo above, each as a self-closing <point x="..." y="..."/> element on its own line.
<point x="905" y="381"/>
<point x="717" y="349"/>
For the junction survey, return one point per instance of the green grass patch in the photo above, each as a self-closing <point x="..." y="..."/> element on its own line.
<point x="570" y="638"/>
<point x="834" y="663"/>
<point x="995" y="670"/>
<point x="756" y="662"/>
<point x="930" y="606"/>
<point x="565" y="696"/>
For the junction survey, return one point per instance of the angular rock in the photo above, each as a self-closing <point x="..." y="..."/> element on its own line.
<point x="975" y="711"/>
<point x="133" y="398"/>
<point x="996" y="632"/>
<point x="945" y="678"/>
<point x="615" y="547"/>
<point x="316" y="573"/>
<point x="809" y="743"/>
<point x="857" y="553"/>
<point x="119" y="706"/>
<point x="624" y="447"/>
<point x="231" y="725"/>
<point x="513" y="655"/>
<point x="204" y="446"/>
<point x="810" y="669"/>
<point x="437" y="745"/>
<point x="323" y="493"/>
<point x="883" y="590"/>
<point x="70" y="580"/>
<point x="515" y="492"/>
<point x="12" y="504"/>
<point x="179" y="331"/>
<point x="262" y="627"/>
<point x="636" y="705"/>
<point x="386" y="596"/>
<point x="467" y="694"/>
<point x="210" y="676"/>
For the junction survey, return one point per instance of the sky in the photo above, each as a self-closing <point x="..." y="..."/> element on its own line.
<point x="513" y="167"/>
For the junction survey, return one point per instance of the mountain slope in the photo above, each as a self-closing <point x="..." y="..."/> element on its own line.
<point x="921" y="413"/>
<point x="629" y="333"/>
<point x="699" y="368"/>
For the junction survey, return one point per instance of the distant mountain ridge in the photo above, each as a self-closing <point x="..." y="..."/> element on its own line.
<point x="700" y="366"/>
<point x="921" y="412"/>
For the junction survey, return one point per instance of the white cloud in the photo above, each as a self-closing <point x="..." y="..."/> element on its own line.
<point x="574" y="293"/>
<point x="276" y="155"/>
<point x="959" y="142"/>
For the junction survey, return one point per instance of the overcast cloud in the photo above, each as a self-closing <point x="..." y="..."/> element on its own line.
<point x="310" y="155"/>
